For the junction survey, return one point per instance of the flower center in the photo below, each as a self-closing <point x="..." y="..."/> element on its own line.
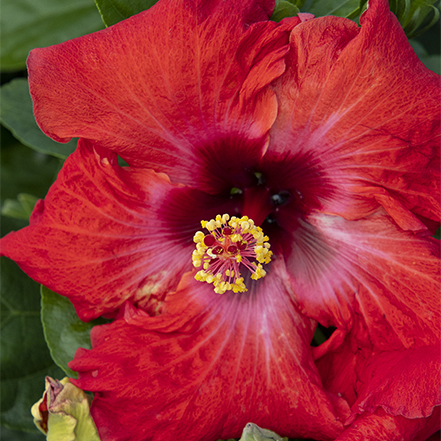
<point x="229" y="244"/>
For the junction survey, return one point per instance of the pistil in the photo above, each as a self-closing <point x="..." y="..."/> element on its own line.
<point x="229" y="245"/>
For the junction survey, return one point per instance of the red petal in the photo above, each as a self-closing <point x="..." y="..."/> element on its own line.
<point x="208" y="366"/>
<point x="105" y="234"/>
<point x="361" y="104"/>
<point x="174" y="88"/>
<point x="405" y="383"/>
<point x="342" y="270"/>
<point x="380" y="426"/>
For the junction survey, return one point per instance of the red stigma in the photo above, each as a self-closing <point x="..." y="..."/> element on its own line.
<point x="241" y="245"/>
<point x="209" y="240"/>
<point x="232" y="249"/>
<point x="217" y="250"/>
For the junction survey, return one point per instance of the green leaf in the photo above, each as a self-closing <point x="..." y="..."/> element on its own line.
<point x="26" y="24"/>
<point x="64" y="331"/>
<point x="20" y="208"/>
<point x="16" y="114"/>
<point x="113" y="11"/>
<point x="416" y="16"/>
<point x="355" y="14"/>
<point x="25" y="358"/>
<point x="283" y="9"/>
<point x="340" y="8"/>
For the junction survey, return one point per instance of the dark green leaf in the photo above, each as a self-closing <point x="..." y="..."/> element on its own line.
<point x="20" y="313"/>
<point x="19" y="394"/>
<point x="25" y="171"/>
<point x="16" y="114"/>
<point x="113" y="11"/>
<point x="14" y="435"/>
<point x="431" y="40"/>
<point x="26" y="24"/>
<point x="433" y="62"/>
<point x="25" y="358"/>
<point x="64" y="331"/>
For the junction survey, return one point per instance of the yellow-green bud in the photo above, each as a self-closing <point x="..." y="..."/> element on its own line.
<point x="63" y="414"/>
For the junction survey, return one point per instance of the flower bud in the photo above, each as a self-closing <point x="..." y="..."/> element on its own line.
<point x="63" y="413"/>
<point x="252" y="432"/>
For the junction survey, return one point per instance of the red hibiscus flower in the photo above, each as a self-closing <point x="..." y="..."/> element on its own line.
<point x="325" y="137"/>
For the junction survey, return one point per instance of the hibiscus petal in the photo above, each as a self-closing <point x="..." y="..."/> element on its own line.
<point x="105" y="234"/>
<point x="342" y="269"/>
<point x="381" y="426"/>
<point x="361" y="104"/>
<point x="174" y="88"/>
<point x="403" y="383"/>
<point x="207" y="366"/>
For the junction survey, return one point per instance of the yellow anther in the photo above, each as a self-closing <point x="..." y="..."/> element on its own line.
<point x="236" y="238"/>
<point x="258" y="273"/>
<point x="245" y="227"/>
<point x="211" y="226"/>
<point x="232" y="243"/>
<point x="198" y="237"/>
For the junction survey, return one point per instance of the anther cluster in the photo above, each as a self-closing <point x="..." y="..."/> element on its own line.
<point x="229" y="244"/>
